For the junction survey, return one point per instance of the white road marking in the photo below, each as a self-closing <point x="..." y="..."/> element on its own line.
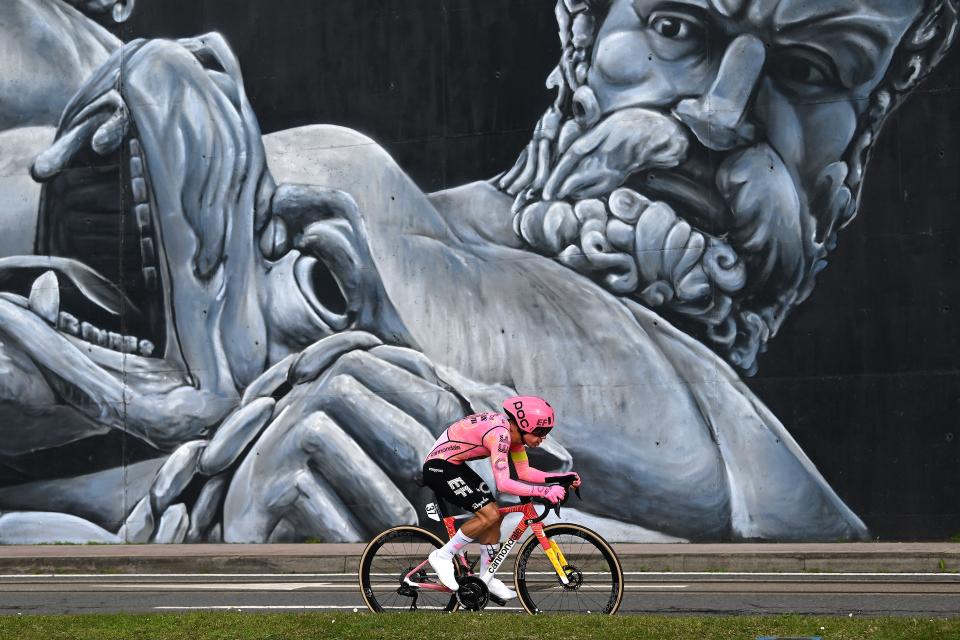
<point x="300" y="576"/>
<point x="114" y="576"/>
<point x="217" y="586"/>
<point x="360" y="607"/>
<point x="230" y="607"/>
<point x="655" y="586"/>
<point x="785" y="574"/>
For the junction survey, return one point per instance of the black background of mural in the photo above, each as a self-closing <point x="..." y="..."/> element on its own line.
<point x="864" y="374"/>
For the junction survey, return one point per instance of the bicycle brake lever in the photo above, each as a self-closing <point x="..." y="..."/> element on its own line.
<point x="576" y="490"/>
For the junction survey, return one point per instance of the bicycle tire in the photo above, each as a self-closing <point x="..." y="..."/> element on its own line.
<point x="387" y="558"/>
<point x="595" y="572"/>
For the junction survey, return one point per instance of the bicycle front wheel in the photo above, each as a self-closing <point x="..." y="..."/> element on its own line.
<point x="593" y="572"/>
<point x="388" y="559"/>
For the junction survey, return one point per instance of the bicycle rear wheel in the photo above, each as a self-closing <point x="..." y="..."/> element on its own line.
<point x="385" y="562"/>
<point x="592" y="569"/>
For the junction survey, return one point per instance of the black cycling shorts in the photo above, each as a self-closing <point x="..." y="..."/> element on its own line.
<point x="457" y="484"/>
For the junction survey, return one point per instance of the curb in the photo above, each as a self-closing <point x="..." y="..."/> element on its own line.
<point x="334" y="558"/>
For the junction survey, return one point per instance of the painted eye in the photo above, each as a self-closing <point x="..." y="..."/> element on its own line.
<point x="675" y="27"/>
<point x="800" y="69"/>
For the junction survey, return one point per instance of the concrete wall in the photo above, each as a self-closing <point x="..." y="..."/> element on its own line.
<point x="295" y="321"/>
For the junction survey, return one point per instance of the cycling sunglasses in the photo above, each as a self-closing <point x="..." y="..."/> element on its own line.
<point x="539" y="432"/>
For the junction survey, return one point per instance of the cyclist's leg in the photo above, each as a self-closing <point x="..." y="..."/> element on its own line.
<point x="460" y="485"/>
<point x="484" y="526"/>
<point x="485" y="529"/>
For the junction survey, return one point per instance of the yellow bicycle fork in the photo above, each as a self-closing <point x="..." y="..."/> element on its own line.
<point x="557" y="560"/>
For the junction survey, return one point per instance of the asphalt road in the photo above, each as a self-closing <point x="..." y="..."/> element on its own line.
<point x="663" y="593"/>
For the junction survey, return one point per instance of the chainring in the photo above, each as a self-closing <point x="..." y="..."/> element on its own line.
<point x="472" y="594"/>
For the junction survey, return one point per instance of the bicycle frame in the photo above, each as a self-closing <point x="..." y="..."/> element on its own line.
<point x="549" y="547"/>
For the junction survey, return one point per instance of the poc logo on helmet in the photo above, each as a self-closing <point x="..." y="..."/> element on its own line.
<point x="521" y="415"/>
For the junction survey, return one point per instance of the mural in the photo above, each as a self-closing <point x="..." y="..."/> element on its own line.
<point x="283" y="324"/>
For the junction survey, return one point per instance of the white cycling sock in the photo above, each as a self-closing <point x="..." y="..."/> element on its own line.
<point x="457" y="542"/>
<point x="487" y="553"/>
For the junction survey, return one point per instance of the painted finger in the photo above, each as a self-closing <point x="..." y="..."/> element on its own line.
<point x="590" y="183"/>
<point x="318" y="513"/>
<point x="111" y="133"/>
<point x="321" y="354"/>
<point x="343" y="464"/>
<point x="55" y="159"/>
<point x="206" y="510"/>
<point x="409" y="359"/>
<point x="175" y="474"/>
<point x="173" y="525"/>
<point x="269" y="383"/>
<point x="77" y="136"/>
<point x="139" y="524"/>
<point x="543" y="164"/>
<point x="565" y="166"/>
<point x="235" y="435"/>
<point x="388" y="435"/>
<point x="526" y="176"/>
<point x="425" y="402"/>
<point x="511" y="175"/>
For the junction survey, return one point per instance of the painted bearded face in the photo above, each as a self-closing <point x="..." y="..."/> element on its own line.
<point x="701" y="155"/>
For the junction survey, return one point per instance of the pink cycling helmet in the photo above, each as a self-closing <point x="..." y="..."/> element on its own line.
<point x="532" y="414"/>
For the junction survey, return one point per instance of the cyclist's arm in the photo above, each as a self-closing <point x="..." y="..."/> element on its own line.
<point x="497" y="442"/>
<point x="524" y="471"/>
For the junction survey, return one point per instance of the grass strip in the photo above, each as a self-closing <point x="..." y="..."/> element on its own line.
<point x="224" y="625"/>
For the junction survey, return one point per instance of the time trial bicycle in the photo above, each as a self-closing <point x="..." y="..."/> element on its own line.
<point x="575" y="570"/>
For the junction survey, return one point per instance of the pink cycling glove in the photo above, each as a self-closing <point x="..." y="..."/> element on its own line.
<point x="555" y="494"/>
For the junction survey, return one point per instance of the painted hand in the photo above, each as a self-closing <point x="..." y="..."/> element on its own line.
<point x="336" y="462"/>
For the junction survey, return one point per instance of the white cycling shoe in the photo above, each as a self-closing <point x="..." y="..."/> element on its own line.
<point x="444" y="570"/>
<point x="496" y="587"/>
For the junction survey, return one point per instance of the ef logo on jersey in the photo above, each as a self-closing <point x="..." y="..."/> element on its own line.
<point x="459" y="487"/>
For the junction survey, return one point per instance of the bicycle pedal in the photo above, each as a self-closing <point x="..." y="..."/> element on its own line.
<point x="499" y="601"/>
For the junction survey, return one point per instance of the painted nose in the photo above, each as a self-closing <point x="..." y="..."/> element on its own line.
<point x="719" y="117"/>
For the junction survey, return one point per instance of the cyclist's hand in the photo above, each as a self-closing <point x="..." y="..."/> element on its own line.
<point x="337" y="460"/>
<point x="555" y="494"/>
<point x="569" y="478"/>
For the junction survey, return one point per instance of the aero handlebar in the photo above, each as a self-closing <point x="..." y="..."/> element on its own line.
<point x="549" y="505"/>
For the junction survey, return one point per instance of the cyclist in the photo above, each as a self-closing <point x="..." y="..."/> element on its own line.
<point x="526" y="421"/>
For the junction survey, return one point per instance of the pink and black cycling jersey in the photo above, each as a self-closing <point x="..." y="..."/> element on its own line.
<point x="487" y="435"/>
